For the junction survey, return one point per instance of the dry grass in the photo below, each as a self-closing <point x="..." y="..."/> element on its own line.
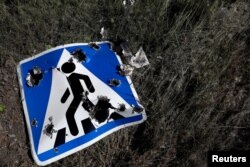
<point x="196" y="89"/>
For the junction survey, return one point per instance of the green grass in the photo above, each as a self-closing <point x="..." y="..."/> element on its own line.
<point x="2" y="108"/>
<point x="195" y="91"/>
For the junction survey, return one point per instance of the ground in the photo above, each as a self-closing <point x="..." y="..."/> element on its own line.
<point x="195" y="90"/>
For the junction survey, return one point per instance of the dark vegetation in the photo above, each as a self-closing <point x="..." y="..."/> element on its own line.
<point x="196" y="89"/>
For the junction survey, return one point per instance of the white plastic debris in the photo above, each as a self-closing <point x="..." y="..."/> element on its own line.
<point x="104" y="33"/>
<point x="128" y="2"/>
<point x="140" y="59"/>
<point x="126" y="70"/>
<point x="124" y="2"/>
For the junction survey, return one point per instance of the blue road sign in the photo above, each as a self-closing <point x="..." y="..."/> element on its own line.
<point x="73" y="96"/>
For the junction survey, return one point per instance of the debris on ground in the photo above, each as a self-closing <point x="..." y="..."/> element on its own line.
<point x="11" y="135"/>
<point x="140" y="59"/>
<point x="104" y="33"/>
<point x="128" y="2"/>
<point x="126" y="70"/>
<point x="123" y="49"/>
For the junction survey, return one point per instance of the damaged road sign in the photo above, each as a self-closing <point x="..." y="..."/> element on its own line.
<point x="74" y="96"/>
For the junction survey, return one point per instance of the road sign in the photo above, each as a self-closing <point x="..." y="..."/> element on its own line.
<point x="73" y="96"/>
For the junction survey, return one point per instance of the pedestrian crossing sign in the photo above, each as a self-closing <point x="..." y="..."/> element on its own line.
<point x="73" y="95"/>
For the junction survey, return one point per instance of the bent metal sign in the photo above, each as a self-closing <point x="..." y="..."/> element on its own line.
<point x="73" y="95"/>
